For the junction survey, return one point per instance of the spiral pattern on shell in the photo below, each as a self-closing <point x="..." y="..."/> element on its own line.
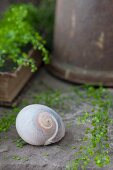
<point x="39" y="125"/>
<point x="45" y="121"/>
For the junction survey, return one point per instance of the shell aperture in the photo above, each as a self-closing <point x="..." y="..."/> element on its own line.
<point x="39" y="125"/>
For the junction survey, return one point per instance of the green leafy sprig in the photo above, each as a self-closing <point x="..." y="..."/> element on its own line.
<point x="96" y="147"/>
<point x="18" y="30"/>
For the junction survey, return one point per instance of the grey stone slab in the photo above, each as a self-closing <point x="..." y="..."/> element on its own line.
<point x="55" y="156"/>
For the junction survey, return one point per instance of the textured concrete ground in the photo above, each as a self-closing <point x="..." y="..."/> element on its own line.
<point x="53" y="157"/>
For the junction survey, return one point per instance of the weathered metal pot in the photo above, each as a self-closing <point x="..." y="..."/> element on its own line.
<point x="83" y="44"/>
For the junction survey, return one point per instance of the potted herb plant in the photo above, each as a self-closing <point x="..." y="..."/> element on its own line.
<point x="19" y="42"/>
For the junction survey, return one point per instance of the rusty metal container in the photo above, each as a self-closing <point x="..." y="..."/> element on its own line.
<point x="83" y="43"/>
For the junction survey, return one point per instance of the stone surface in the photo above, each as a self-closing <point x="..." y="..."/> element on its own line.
<point x="55" y="156"/>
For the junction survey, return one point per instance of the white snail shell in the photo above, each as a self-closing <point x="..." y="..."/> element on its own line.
<point x="39" y="125"/>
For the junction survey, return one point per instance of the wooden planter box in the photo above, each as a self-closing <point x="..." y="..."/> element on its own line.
<point x="12" y="83"/>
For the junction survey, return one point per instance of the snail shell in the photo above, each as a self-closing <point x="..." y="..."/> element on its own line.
<point x="39" y="125"/>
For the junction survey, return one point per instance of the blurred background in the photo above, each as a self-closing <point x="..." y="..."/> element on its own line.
<point x="78" y="36"/>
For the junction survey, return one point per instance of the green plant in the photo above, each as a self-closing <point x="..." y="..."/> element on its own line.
<point x="18" y="158"/>
<point x="6" y="122"/>
<point x="17" y="32"/>
<point x="20" y="143"/>
<point x="8" y="119"/>
<point x="50" y="98"/>
<point x="96" y="147"/>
